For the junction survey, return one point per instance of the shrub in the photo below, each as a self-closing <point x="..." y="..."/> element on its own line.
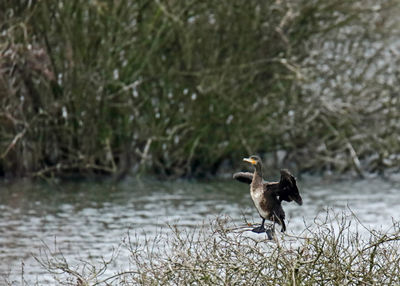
<point x="334" y="251"/>
<point x="181" y="87"/>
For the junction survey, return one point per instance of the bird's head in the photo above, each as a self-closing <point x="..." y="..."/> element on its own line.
<point x="255" y="161"/>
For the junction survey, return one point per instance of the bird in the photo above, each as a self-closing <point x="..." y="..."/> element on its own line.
<point x="268" y="196"/>
<point x="286" y="189"/>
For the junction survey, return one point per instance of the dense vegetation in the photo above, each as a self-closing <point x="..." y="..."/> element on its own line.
<point x="328" y="253"/>
<point x="189" y="87"/>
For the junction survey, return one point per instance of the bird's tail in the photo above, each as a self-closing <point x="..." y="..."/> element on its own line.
<point x="283" y="229"/>
<point x="280" y="220"/>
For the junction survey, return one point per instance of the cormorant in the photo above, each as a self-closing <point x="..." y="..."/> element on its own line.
<point x="267" y="196"/>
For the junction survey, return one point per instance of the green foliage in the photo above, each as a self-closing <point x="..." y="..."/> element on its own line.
<point x="178" y="87"/>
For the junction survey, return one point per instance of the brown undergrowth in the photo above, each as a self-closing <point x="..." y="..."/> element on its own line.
<point x="335" y="249"/>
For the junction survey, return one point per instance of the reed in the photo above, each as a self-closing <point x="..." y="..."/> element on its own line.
<point x="183" y="88"/>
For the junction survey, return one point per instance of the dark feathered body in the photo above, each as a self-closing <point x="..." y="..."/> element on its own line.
<point x="268" y="205"/>
<point x="265" y="199"/>
<point x="286" y="189"/>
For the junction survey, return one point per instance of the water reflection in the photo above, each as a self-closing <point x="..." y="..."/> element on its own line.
<point x="88" y="219"/>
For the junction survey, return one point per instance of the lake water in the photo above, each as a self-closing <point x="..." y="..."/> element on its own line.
<point x="87" y="220"/>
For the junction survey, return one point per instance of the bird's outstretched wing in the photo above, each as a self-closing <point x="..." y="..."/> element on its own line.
<point x="287" y="190"/>
<point x="244" y="177"/>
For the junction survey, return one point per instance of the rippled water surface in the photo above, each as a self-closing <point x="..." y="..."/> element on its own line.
<point x="87" y="220"/>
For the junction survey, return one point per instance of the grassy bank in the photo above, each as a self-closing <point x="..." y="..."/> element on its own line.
<point x="335" y="250"/>
<point x="185" y="88"/>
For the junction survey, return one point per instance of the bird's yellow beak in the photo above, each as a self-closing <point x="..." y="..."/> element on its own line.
<point x="251" y="161"/>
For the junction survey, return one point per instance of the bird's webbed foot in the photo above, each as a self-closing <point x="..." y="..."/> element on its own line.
<point x="259" y="229"/>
